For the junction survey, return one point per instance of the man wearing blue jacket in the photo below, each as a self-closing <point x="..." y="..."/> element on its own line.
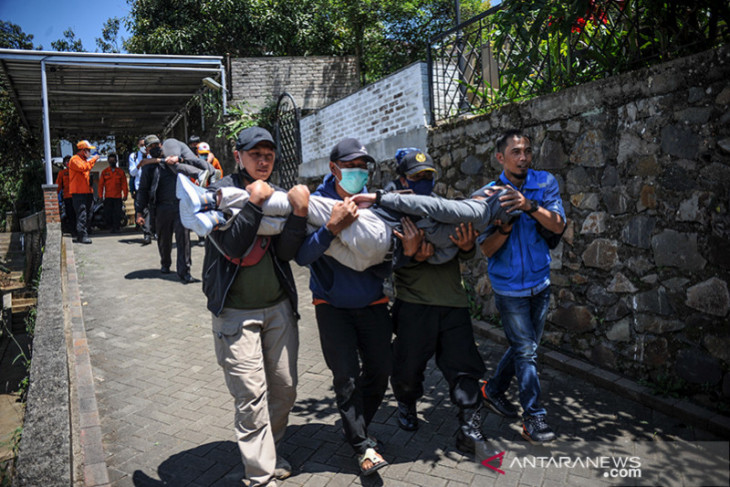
<point x="351" y="309"/>
<point x="519" y="270"/>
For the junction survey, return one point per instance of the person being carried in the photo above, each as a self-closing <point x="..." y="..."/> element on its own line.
<point x="369" y="240"/>
<point x="180" y="158"/>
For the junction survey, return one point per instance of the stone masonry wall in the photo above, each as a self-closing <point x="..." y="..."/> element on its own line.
<point x="385" y="115"/>
<point x="313" y="81"/>
<point x="640" y="280"/>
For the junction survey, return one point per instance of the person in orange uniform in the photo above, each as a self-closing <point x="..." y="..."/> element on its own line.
<point x="113" y="190"/>
<point x="69" y="221"/>
<point x="82" y="193"/>
<point x="203" y="150"/>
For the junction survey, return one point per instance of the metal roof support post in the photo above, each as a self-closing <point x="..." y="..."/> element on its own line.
<point x="225" y="91"/>
<point x="202" y="114"/>
<point x="46" y="124"/>
<point x="185" y="127"/>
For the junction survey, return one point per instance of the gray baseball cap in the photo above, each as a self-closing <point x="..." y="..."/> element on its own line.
<point x="249" y="137"/>
<point x="151" y="139"/>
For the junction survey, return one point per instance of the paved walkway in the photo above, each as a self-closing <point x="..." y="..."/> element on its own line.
<point x="167" y="416"/>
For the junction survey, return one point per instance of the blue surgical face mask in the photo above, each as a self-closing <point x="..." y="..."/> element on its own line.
<point x="353" y="180"/>
<point x="422" y="186"/>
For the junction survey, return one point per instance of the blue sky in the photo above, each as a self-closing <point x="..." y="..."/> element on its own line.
<point x="47" y="19"/>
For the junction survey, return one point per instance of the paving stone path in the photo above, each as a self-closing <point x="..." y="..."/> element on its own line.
<point x="167" y="417"/>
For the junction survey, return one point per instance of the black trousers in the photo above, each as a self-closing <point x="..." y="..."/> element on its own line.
<point x="113" y="213"/>
<point x="167" y="219"/>
<point x="148" y="215"/>
<point x="150" y="225"/>
<point x="346" y="334"/>
<point x="82" y="207"/>
<point x="422" y="331"/>
<point x="69" y="225"/>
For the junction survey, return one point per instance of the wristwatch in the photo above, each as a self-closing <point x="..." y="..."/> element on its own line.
<point x="378" y="196"/>
<point x="533" y="208"/>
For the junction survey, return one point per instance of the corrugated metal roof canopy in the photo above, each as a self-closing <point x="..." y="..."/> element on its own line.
<point x="92" y="94"/>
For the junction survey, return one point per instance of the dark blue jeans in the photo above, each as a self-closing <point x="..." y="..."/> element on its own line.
<point x="523" y="320"/>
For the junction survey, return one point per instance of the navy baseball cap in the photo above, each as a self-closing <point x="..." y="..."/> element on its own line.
<point x="415" y="162"/>
<point x="249" y="137"/>
<point x="348" y="150"/>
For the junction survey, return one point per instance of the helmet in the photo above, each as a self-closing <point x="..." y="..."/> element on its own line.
<point x="203" y="148"/>
<point x="84" y="144"/>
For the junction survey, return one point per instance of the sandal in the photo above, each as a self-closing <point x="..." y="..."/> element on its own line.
<point x="376" y="461"/>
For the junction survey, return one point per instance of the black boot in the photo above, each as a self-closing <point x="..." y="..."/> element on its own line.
<point x="407" y="416"/>
<point x="470" y="429"/>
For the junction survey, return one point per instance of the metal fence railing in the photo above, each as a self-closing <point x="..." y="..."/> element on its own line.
<point x="289" y="141"/>
<point x="519" y="50"/>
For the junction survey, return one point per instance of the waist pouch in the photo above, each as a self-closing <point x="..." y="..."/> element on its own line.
<point x="254" y="254"/>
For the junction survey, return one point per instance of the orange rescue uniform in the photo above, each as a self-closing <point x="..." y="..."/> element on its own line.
<point x="62" y="183"/>
<point x="113" y="183"/>
<point x="217" y="165"/>
<point x="79" y="172"/>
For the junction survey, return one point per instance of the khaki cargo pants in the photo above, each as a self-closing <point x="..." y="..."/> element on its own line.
<point x="257" y="350"/>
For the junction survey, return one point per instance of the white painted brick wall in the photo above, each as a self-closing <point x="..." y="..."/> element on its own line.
<point x="313" y="81"/>
<point x="393" y="109"/>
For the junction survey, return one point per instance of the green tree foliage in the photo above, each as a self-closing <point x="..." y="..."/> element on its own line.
<point x="385" y="35"/>
<point x="13" y="37"/>
<point x="68" y="43"/>
<point x="21" y="169"/>
<point x="108" y="41"/>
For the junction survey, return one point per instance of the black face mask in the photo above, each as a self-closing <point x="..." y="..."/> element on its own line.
<point x="156" y="152"/>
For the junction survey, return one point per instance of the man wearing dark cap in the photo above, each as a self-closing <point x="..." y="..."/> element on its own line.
<point x="157" y="192"/>
<point x="431" y="316"/>
<point x="351" y="309"/>
<point x="250" y="290"/>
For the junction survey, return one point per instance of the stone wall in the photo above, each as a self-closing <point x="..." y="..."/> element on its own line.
<point x="643" y="161"/>
<point x="386" y="115"/>
<point x="313" y="81"/>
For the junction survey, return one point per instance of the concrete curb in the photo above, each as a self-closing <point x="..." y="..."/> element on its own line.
<point x="86" y="425"/>
<point x="45" y="450"/>
<point x="680" y="408"/>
